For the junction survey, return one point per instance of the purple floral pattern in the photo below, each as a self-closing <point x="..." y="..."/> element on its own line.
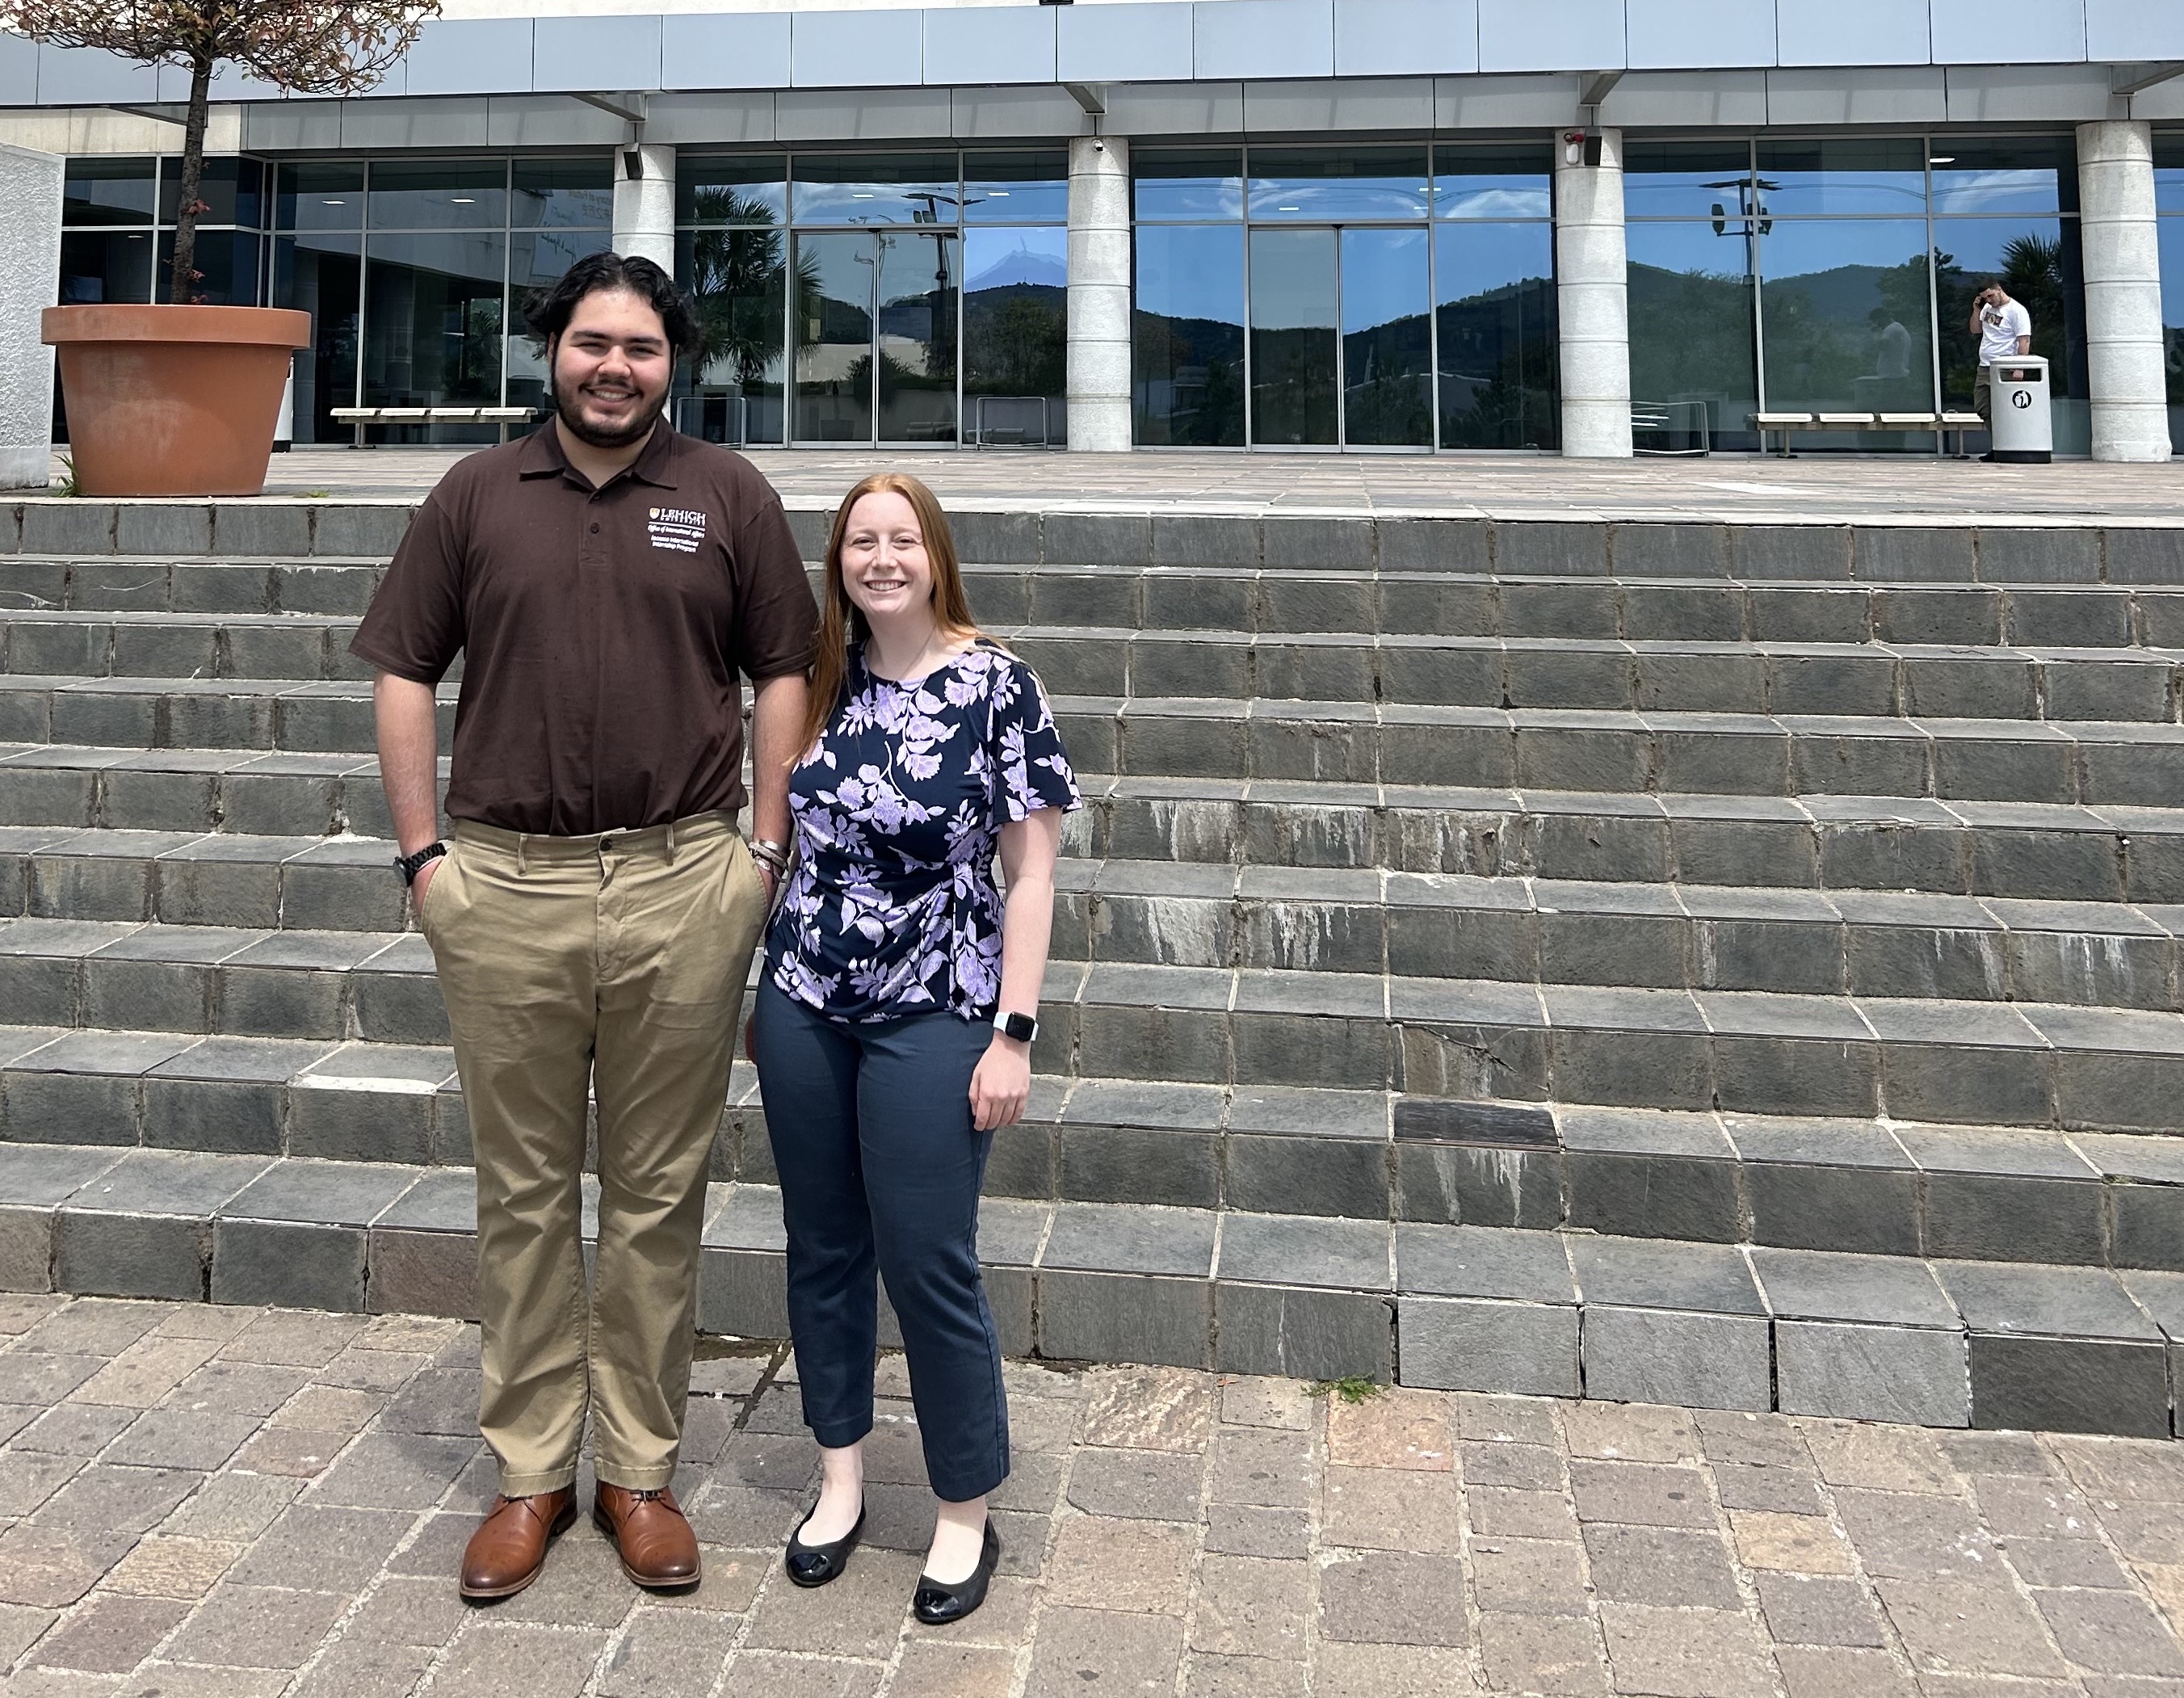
<point x="892" y="909"/>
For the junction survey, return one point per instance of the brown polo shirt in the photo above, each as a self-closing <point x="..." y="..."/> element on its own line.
<point x="602" y="630"/>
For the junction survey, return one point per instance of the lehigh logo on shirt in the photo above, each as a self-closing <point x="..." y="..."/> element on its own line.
<point x="679" y="528"/>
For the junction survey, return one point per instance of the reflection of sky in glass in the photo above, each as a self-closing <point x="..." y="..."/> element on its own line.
<point x="1327" y="200"/>
<point x="755" y="190"/>
<point x="1683" y="179"/>
<point x="1198" y="186"/>
<point x="915" y="188"/>
<point x="1192" y="272"/>
<point x="1843" y="177"/>
<point x="1012" y="203"/>
<point x="1493" y="197"/>
<point x="1976" y="245"/>
<point x="1006" y="259"/>
<point x="1689" y="247"/>
<point x="1800" y="250"/>
<point x="1482" y="258"/>
<point x="2027" y="190"/>
<point x="1384" y="277"/>
<point x="2168" y="188"/>
<point x="1292" y="280"/>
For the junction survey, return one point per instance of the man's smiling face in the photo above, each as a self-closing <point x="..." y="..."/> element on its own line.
<point x="611" y="369"/>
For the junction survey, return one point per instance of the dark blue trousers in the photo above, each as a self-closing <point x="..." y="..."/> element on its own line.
<point x="880" y="1169"/>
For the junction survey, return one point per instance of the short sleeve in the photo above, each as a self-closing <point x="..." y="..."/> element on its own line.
<point x="776" y="620"/>
<point x="414" y="628"/>
<point x="1033" y="767"/>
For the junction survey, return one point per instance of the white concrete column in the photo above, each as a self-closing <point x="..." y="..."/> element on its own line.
<point x="644" y="205"/>
<point x="1099" y="294"/>
<point x="31" y="281"/>
<point x="2124" y="362"/>
<point x="1592" y="302"/>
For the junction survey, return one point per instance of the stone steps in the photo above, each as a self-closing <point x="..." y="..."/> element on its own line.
<point x="271" y="809"/>
<point x="1944" y="1342"/>
<point x="1874" y="943"/>
<point x="1514" y="927"/>
<point x="1724" y="964"/>
<point x="1861" y="1186"/>
<point x="1985" y="1062"/>
<point x="210" y="614"/>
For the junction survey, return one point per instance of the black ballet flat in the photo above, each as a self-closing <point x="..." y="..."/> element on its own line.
<point x="936" y="1605"/>
<point x="815" y="1565"/>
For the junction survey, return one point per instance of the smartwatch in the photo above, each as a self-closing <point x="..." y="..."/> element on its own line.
<point x="1021" y="1028"/>
<point x="410" y="865"/>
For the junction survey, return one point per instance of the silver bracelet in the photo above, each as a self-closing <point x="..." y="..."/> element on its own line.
<point x="772" y="854"/>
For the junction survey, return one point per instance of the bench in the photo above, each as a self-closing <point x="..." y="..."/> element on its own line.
<point x="1945" y="424"/>
<point x="503" y="416"/>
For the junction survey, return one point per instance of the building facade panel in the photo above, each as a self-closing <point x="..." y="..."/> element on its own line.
<point x="79" y="76"/>
<point x="1263" y="38"/>
<point x="1576" y="35"/>
<point x="1147" y="41"/>
<point x="725" y="50"/>
<point x="470" y="56"/>
<point x="2015" y="32"/>
<point x="1667" y="35"/>
<point x="2131" y="30"/>
<point x="988" y="44"/>
<point x="1406" y="37"/>
<point x="595" y="53"/>
<point x="878" y="49"/>
<point x="1883" y="32"/>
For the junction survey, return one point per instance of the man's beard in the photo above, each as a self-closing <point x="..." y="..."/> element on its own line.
<point x="620" y="436"/>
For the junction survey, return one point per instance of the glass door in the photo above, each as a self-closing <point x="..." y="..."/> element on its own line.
<point x="835" y="286"/>
<point x="1341" y="338"/>
<point x="919" y="279"/>
<point x="1295" y="352"/>
<point x="1387" y="339"/>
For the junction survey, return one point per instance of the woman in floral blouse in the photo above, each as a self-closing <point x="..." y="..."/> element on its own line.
<point x="893" y="1023"/>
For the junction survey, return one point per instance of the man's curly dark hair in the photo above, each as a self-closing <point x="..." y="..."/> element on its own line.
<point x="549" y="309"/>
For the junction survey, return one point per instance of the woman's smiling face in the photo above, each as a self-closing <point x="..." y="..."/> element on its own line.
<point x="885" y="570"/>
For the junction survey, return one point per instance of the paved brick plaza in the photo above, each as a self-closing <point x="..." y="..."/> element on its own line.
<point x="198" y="1500"/>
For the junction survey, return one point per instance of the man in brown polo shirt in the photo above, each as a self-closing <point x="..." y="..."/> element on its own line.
<point x="604" y="580"/>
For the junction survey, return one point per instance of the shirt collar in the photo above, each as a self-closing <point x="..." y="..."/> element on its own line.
<point x="542" y="457"/>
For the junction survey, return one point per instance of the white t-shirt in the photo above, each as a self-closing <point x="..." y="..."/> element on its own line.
<point x="2000" y="327"/>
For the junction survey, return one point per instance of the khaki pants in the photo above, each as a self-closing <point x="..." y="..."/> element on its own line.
<point x="617" y="962"/>
<point x="1983" y="395"/>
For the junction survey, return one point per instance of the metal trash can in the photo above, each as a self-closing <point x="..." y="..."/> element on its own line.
<point x="2024" y="426"/>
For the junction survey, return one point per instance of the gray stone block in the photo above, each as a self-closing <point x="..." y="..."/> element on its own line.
<point x="1810" y="1206"/>
<point x="1303" y="1333"/>
<point x="1481" y="1187"/>
<point x="1435" y="545"/>
<point x="1306" y="1175"/>
<point x="1670" y="550"/>
<point x="291" y="1263"/>
<point x="421" y="1273"/>
<point x="2013" y="1217"/>
<point x="70" y="1108"/>
<point x="743" y="1293"/>
<point x="2152" y="554"/>
<point x="987" y="538"/>
<point x="162" y="529"/>
<point x="250" y="528"/>
<point x="1900" y="554"/>
<point x="1315" y="544"/>
<point x="1852" y="1372"/>
<point x="228" y="1116"/>
<point x="373" y="532"/>
<point x="2070" y="1385"/>
<point x="1094" y="1317"/>
<point x="1482" y="1345"/>
<point x="1670" y="1356"/>
<point x="1096" y="539"/>
<point x="1821" y="552"/>
<point x="68" y="526"/>
<point x="1654" y="1195"/>
<point x="1531" y="548"/>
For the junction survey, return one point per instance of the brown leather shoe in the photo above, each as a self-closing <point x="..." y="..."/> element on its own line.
<point x="657" y="1548"/>
<point x="509" y="1549"/>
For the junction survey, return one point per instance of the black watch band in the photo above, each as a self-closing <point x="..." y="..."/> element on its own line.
<point x="410" y="865"/>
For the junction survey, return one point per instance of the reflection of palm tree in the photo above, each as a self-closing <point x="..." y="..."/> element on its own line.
<point x="736" y="284"/>
<point x="2032" y="272"/>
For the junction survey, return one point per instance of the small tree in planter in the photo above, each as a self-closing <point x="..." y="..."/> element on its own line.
<point x="180" y="399"/>
<point x="303" y="47"/>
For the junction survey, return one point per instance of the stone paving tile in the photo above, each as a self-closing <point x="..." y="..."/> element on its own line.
<point x="1165" y="1531"/>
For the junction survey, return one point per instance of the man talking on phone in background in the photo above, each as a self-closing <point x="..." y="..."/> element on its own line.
<point x="2004" y="329"/>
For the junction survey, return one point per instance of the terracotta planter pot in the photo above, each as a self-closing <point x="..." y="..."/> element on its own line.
<point x="173" y="400"/>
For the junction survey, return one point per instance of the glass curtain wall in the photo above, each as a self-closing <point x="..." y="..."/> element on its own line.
<point x="1837" y="275"/>
<point x="915" y="299"/>
<point x="2169" y="200"/>
<point x="415" y="273"/>
<point x="1347" y="297"/>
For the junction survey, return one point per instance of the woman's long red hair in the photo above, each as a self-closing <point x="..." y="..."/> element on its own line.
<point x="841" y="624"/>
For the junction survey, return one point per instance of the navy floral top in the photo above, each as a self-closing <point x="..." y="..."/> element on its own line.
<point x="899" y="806"/>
